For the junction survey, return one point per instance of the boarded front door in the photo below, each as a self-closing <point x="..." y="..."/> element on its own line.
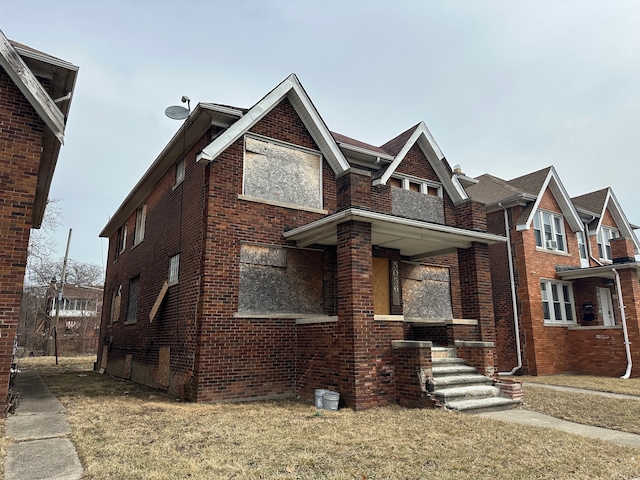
<point x="381" y="304"/>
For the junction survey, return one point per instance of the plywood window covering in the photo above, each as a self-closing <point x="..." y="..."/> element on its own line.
<point x="115" y="304"/>
<point x="280" y="280"/>
<point x="282" y="173"/>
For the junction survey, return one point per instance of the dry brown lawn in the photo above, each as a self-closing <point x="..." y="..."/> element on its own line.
<point x="126" y="431"/>
<point x="630" y="386"/>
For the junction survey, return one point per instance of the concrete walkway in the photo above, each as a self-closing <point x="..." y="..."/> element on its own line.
<point x="40" y="429"/>
<point x="528" y="417"/>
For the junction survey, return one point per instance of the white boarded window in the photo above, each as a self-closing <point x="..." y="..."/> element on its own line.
<point x="282" y="174"/>
<point x="174" y="268"/>
<point x="180" y="172"/>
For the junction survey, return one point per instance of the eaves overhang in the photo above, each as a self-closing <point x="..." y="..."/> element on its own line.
<point x="413" y="238"/>
<point x="203" y="116"/>
<point x="604" y="271"/>
<point x="516" y="200"/>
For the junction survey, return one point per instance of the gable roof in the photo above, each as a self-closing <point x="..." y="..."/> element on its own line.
<point x="290" y="88"/>
<point x="420" y="135"/>
<point x="598" y="202"/>
<point x="526" y="190"/>
<point x="24" y="65"/>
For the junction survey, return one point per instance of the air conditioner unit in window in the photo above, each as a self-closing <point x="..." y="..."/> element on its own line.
<point x="552" y="245"/>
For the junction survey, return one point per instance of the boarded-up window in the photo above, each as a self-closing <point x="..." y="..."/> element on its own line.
<point x="132" y="309"/>
<point x="426" y="292"/>
<point x="115" y="304"/>
<point x="280" y="280"/>
<point x="282" y="174"/>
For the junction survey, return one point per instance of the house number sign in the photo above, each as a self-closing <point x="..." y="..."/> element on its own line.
<point x="395" y="282"/>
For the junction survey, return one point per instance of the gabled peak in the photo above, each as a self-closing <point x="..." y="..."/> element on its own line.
<point x="593" y="201"/>
<point x="491" y="189"/>
<point x="394" y="146"/>
<point x="532" y="182"/>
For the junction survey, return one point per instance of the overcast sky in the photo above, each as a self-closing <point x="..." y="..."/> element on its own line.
<point x="506" y="87"/>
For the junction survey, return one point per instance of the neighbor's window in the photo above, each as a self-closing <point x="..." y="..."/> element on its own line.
<point x="132" y="309"/>
<point x="604" y="246"/>
<point x="281" y="173"/>
<point x="557" y="301"/>
<point x="174" y="268"/>
<point x="180" y="172"/>
<point x="416" y="185"/>
<point x="548" y="229"/>
<point x="141" y="215"/>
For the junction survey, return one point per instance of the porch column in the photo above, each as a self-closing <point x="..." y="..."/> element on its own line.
<point x="357" y="371"/>
<point x="475" y="289"/>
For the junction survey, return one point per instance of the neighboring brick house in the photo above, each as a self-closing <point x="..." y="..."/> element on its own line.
<point x="572" y="267"/>
<point x="35" y="96"/>
<point x="263" y="256"/>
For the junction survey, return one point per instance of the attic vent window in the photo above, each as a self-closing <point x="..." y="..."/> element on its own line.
<point x="416" y="185"/>
<point x="282" y="173"/>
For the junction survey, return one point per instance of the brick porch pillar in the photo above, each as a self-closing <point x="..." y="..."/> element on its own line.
<point x="357" y="370"/>
<point x="475" y="289"/>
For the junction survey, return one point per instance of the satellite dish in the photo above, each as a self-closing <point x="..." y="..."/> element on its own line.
<point x="176" y="112"/>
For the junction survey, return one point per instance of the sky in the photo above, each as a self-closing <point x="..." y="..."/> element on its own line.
<point x="506" y="87"/>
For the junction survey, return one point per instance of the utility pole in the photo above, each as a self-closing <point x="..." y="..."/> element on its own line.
<point x="62" y="279"/>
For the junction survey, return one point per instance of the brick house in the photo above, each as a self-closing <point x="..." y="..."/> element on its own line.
<point x="567" y="280"/>
<point x="263" y="256"/>
<point x="35" y="97"/>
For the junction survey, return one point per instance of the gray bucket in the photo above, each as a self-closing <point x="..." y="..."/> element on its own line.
<point x="331" y="400"/>
<point x="320" y="398"/>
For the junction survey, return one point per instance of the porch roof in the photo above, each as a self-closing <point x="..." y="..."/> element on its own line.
<point x="414" y="238"/>
<point x="604" y="271"/>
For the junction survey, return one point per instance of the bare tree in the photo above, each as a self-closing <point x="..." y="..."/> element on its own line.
<point x="42" y="245"/>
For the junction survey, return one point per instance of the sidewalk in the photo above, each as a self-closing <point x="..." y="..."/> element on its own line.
<point x="40" y="429"/>
<point x="529" y="417"/>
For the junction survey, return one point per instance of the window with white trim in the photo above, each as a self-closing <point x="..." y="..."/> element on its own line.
<point x="174" y="268"/>
<point x="416" y="185"/>
<point x="605" y="234"/>
<point x="557" y="302"/>
<point x="582" y="249"/>
<point x="548" y="229"/>
<point x="141" y="216"/>
<point x="121" y="240"/>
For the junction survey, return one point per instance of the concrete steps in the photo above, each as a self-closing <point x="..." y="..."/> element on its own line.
<point x="459" y="387"/>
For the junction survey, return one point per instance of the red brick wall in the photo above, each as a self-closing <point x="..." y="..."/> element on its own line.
<point x="21" y="131"/>
<point x="597" y="352"/>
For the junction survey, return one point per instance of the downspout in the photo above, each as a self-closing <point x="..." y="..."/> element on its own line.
<point x="627" y="374"/>
<point x="514" y="302"/>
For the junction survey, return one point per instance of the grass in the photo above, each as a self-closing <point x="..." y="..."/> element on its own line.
<point x="630" y="386"/>
<point x="124" y="430"/>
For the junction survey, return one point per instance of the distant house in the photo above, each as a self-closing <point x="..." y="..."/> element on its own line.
<point x="78" y="317"/>
<point x="262" y="255"/>
<point x="35" y="96"/>
<point x="565" y="286"/>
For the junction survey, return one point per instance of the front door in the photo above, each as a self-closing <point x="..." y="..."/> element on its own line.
<point x="606" y="305"/>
